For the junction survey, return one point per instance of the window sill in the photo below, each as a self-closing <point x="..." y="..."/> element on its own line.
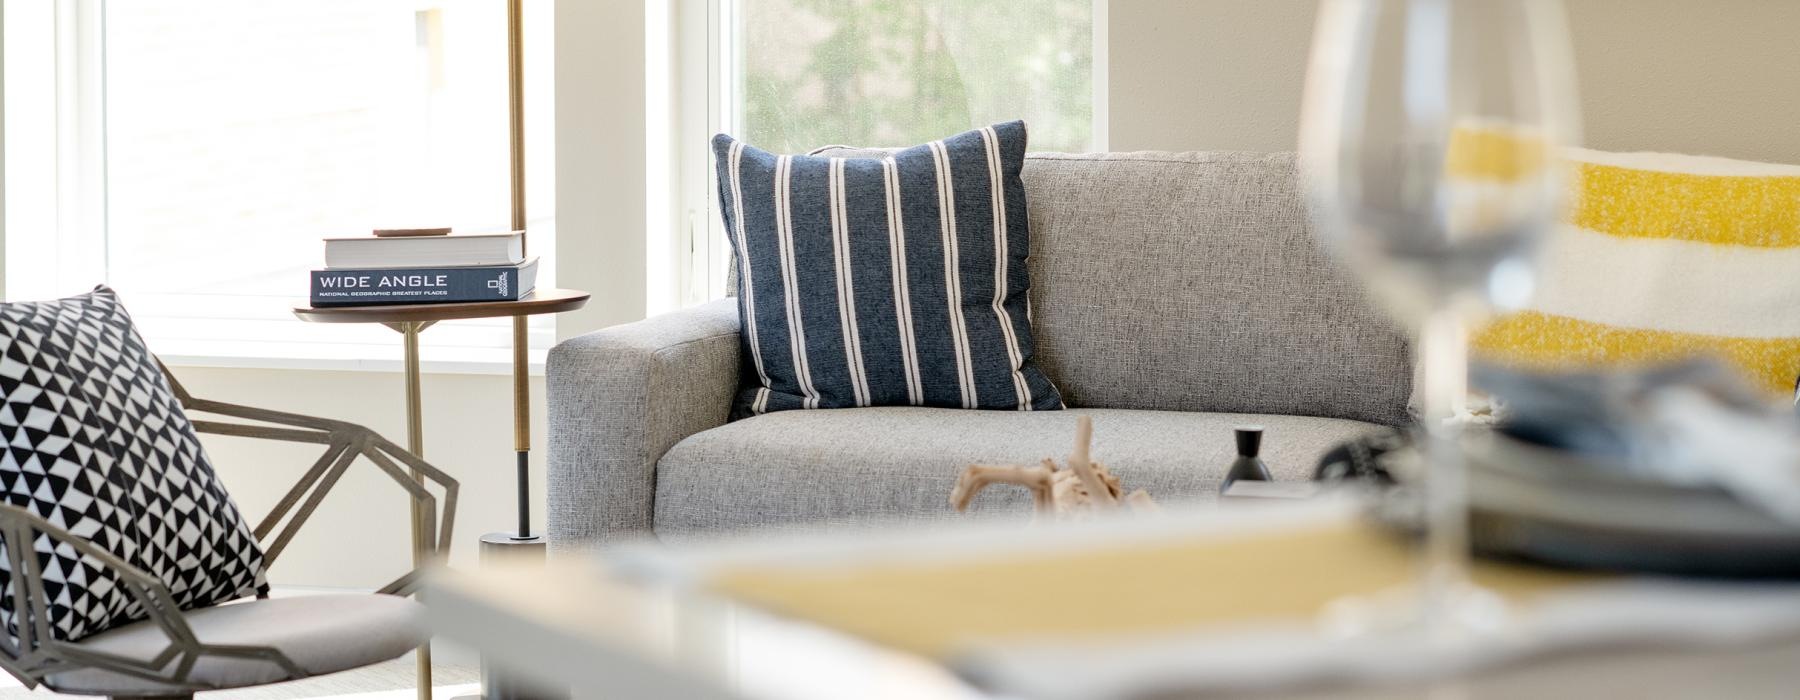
<point x="339" y="357"/>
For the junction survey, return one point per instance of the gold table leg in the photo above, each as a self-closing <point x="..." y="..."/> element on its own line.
<point x="415" y="442"/>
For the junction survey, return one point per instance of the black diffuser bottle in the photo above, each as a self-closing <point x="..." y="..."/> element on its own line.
<point x="1247" y="467"/>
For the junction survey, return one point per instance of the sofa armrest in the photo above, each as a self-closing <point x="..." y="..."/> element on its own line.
<point x="621" y="397"/>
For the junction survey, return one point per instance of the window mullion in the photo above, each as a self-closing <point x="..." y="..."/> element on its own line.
<point x="702" y="39"/>
<point x="80" y="143"/>
<point x="725" y="110"/>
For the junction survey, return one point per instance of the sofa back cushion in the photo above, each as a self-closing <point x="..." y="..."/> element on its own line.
<point x="1193" y="282"/>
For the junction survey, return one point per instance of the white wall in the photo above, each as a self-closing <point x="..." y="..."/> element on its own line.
<point x="359" y="537"/>
<point x="601" y="168"/>
<point x="1715" y="77"/>
<point x="2" y="170"/>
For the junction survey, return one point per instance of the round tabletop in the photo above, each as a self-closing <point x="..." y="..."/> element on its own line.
<point x="542" y="301"/>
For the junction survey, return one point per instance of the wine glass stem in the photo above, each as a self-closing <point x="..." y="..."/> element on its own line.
<point x="1444" y="365"/>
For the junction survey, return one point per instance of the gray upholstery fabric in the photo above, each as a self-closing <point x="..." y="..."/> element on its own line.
<point x="1166" y="281"/>
<point x="321" y="634"/>
<point x="900" y="462"/>
<point x="621" y="397"/>
<point x="1192" y="282"/>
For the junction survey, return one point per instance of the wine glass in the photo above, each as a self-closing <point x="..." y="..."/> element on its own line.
<point x="1429" y="144"/>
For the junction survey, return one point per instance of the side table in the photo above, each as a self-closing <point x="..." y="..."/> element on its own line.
<point x="412" y="319"/>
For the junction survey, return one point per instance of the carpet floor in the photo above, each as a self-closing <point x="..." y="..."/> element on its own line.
<point x="392" y="680"/>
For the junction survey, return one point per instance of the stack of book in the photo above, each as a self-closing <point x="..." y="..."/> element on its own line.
<point x="424" y="269"/>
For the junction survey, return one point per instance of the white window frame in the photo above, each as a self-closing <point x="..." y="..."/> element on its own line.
<point x="692" y="49"/>
<point x="1102" y="86"/>
<point x="54" y="228"/>
<point x="694" y="94"/>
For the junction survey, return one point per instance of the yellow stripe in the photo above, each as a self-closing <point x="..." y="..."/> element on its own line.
<point x="1539" y="340"/>
<point x="1730" y="210"/>
<point x="938" y="608"/>
<point x="1494" y="154"/>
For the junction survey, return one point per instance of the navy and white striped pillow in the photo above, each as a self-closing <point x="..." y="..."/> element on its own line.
<point x="896" y="281"/>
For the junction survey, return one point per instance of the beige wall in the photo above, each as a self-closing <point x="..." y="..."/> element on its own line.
<point x="358" y="537"/>
<point x="1717" y="77"/>
<point x="601" y="167"/>
<point x="1206" y="74"/>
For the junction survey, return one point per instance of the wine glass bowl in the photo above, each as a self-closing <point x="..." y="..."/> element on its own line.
<point x="1430" y="147"/>
<point x="1429" y="144"/>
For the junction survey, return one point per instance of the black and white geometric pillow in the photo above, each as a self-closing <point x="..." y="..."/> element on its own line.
<point x="889" y="281"/>
<point x="97" y="443"/>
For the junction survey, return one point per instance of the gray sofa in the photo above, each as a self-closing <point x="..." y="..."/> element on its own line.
<point x="1174" y="296"/>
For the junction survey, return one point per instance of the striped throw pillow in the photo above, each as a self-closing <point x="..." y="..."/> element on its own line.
<point x="1661" y="257"/>
<point x="896" y="281"/>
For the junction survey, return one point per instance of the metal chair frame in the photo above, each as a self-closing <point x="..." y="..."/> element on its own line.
<point x="36" y="655"/>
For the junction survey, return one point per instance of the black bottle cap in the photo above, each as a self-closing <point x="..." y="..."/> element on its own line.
<point x="1249" y="440"/>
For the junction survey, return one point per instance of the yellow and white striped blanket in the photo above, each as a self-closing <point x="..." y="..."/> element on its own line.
<point x="1665" y="256"/>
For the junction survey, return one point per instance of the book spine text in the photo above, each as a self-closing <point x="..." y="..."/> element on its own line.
<point x="415" y="285"/>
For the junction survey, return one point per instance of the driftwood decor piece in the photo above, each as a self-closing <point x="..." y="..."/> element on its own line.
<point x="1084" y="487"/>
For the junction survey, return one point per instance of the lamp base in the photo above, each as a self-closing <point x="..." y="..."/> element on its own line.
<point x="508" y="549"/>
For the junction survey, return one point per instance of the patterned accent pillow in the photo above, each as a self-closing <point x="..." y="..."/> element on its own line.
<point x="97" y="443"/>
<point x="1661" y="257"/>
<point x="896" y="281"/>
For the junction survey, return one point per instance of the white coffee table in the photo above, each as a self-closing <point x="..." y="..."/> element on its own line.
<point x="571" y="625"/>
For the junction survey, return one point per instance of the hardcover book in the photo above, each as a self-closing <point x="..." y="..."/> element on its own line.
<point x="421" y="285"/>
<point x="457" y="249"/>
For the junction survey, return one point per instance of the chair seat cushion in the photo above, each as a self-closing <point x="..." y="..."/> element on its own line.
<point x="319" y="633"/>
<point x="900" y="462"/>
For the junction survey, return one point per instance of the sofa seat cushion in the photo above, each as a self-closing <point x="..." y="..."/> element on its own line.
<point x="791" y="467"/>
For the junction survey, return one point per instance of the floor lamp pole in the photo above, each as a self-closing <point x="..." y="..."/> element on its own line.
<point x="520" y="541"/>
<point x="515" y="99"/>
<point x="520" y="545"/>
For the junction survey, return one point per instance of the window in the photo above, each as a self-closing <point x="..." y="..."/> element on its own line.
<point x="817" y="72"/>
<point x="203" y="148"/>
<point x="793" y="75"/>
